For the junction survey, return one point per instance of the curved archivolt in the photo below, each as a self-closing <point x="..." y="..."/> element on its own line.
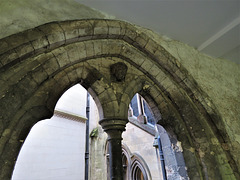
<point x="38" y="65"/>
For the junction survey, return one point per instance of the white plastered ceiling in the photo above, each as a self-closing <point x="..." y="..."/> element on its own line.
<point x="211" y="26"/>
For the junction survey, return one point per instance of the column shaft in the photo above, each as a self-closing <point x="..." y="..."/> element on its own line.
<point x="114" y="128"/>
<point x="115" y="155"/>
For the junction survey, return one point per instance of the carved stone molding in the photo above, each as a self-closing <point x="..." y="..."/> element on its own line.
<point x="118" y="72"/>
<point x="113" y="124"/>
<point x="69" y="116"/>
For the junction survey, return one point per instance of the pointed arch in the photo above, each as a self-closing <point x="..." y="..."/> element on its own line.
<point x="58" y="54"/>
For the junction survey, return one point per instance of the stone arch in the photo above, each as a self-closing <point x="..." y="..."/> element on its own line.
<point x="126" y="156"/>
<point x="59" y="54"/>
<point x="135" y="161"/>
<point x="139" y="166"/>
<point x="172" y="153"/>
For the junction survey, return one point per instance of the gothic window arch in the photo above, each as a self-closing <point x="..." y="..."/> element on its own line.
<point x="139" y="171"/>
<point x="126" y="162"/>
<point x="134" y="166"/>
<point x="139" y="109"/>
<point x="137" y="174"/>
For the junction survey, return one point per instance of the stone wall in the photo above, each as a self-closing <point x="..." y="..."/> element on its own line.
<point x="17" y="16"/>
<point x="136" y="140"/>
<point x="98" y="168"/>
<point x="140" y="142"/>
<point x="219" y="79"/>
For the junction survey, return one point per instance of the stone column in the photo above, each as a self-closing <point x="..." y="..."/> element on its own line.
<point x="114" y="128"/>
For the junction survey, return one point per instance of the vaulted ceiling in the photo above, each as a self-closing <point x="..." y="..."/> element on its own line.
<point x="212" y="27"/>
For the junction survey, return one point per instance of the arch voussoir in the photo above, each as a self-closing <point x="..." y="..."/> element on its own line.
<point x="61" y="54"/>
<point x="54" y="34"/>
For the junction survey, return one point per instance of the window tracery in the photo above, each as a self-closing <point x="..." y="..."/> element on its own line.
<point x="134" y="167"/>
<point x="140" y="109"/>
<point x="138" y="172"/>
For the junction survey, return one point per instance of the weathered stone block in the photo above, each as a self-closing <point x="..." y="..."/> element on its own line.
<point x="161" y="76"/>
<point x="8" y="57"/>
<point x="133" y="74"/>
<point x="151" y="46"/>
<point x="78" y="68"/>
<point x="70" y="29"/>
<point x="61" y="56"/>
<point x="72" y="53"/>
<point x="105" y="64"/>
<point x="157" y="97"/>
<point x="37" y="38"/>
<point x="180" y="74"/>
<point x="97" y="47"/>
<point x="72" y="74"/>
<point x="171" y="67"/>
<point x="106" y="48"/>
<point x="167" y="83"/>
<point x="97" y="86"/>
<point x="133" y="54"/>
<point x="27" y="85"/>
<point x="100" y="28"/>
<point x="123" y="109"/>
<point x="111" y="109"/>
<point x="180" y="159"/>
<point x="107" y="96"/>
<point x="17" y="72"/>
<point x="190" y="83"/>
<point x="89" y="49"/>
<point x="154" y="71"/>
<point x="114" y="29"/>
<point x="141" y="40"/>
<point x="166" y="143"/>
<point x="6" y="104"/>
<point x="39" y="75"/>
<point x="169" y="157"/>
<point x="51" y="66"/>
<point x="40" y="44"/>
<point x="85" y="71"/>
<point x="125" y="98"/>
<point x="160" y="57"/>
<point x="4" y="47"/>
<point x="62" y="80"/>
<point x="14" y="41"/>
<point x="153" y="91"/>
<point x="130" y="33"/>
<point x="176" y="94"/>
<point x="115" y="46"/>
<point x="123" y="28"/>
<point x="54" y="33"/>
<point x="146" y="65"/>
<point x="24" y="49"/>
<point x="131" y="89"/>
<point x="164" y="110"/>
<point x="81" y="49"/>
<point x="137" y="86"/>
<point x="85" y="29"/>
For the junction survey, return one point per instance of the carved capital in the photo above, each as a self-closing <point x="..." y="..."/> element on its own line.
<point x="113" y="124"/>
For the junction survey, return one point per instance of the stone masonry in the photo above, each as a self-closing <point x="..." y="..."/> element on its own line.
<point x="61" y="54"/>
